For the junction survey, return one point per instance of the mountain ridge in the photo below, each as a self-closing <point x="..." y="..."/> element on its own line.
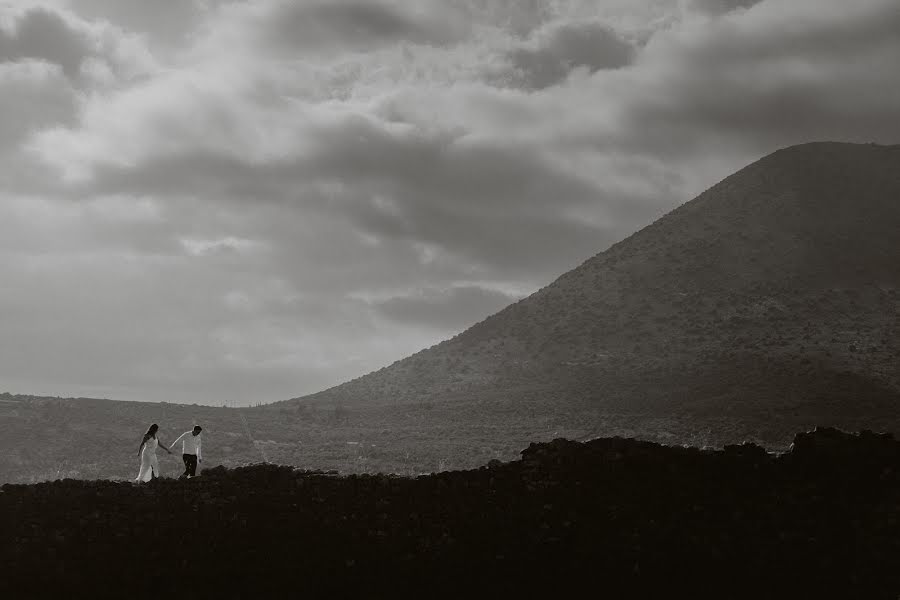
<point x="799" y="226"/>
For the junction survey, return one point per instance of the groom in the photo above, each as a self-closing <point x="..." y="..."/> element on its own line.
<point x="190" y="450"/>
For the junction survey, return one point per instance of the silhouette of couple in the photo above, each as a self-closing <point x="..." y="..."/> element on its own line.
<point x="190" y="453"/>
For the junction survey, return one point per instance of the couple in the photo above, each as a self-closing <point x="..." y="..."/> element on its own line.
<point x="190" y="453"/>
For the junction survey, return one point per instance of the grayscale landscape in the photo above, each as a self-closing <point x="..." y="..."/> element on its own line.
<point x="767" y="305"/>
<point x="456" y="290"/>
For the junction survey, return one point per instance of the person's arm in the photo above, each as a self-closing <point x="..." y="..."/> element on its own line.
<point x="199" y="444"/>
<point x="178" y="439"/>
<point x="163" y="445"/>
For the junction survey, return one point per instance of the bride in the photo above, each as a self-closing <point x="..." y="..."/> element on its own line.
<point x="147" y="451"/>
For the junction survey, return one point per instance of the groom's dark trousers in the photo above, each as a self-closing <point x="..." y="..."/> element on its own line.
<point x="190" y="465"/>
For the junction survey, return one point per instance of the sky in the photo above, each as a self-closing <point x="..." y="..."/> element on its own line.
<point x="237" y="202"/>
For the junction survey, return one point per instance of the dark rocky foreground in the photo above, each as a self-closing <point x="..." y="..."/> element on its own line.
<point x="610" y="517"/>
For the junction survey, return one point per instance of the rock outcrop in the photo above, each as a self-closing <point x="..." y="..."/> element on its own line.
<point x="605" y="516"/>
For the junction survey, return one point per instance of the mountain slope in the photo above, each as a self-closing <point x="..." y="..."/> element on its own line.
<point x="778" y="289"/>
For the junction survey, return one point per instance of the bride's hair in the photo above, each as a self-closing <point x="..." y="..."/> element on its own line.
<point x="150" y="432"/>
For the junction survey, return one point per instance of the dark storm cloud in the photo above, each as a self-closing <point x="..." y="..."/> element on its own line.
<point x="353" y="24"/>
<point x="452" y="309"/>
<point x="549" y="59"/>
<point x="42" y="34"/>
<point x="519" y="17"/>
<point x="169" y="21"/>
<point x="763" y="82"/>
<point x="197" y="174"/>
<point x="719" y="7"/>
<point x="89" y="54"/>
<point x="496" y="206"/>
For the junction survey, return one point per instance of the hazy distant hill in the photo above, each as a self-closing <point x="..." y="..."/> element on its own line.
<point x="777" y="291"/>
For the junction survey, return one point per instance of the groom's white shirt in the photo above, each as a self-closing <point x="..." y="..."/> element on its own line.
<point x="190" y="443"/>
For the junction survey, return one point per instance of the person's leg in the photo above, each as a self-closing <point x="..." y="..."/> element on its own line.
<point x="192" y="464"/>
<point x="187" y="466"/>
<point x="143" y="471"/>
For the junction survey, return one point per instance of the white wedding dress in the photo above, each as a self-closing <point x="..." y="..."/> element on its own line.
<point x="149" y="462"/>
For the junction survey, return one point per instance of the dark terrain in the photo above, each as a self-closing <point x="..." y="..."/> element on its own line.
<point x="56" y="438"/>
<point x="607" y="518"/>
<point x="767" y="305"/>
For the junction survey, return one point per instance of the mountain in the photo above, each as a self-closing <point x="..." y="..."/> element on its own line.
<point x="775" y="293"/>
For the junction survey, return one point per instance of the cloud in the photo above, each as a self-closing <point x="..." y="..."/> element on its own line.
<point x="771" y="77"/>
<point x="493" y="206"/>
<point x="323" y="30"/>
<point x="451" y="309"/>
<point x="88" y="53"/>
<point x="720" y="7"/>
<point x="356" y="24"/>
<point x="32" y="94"/>
<point x="43" y="34"/>
<point x="551" y="56"/>
<point x="167" y="24"/>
